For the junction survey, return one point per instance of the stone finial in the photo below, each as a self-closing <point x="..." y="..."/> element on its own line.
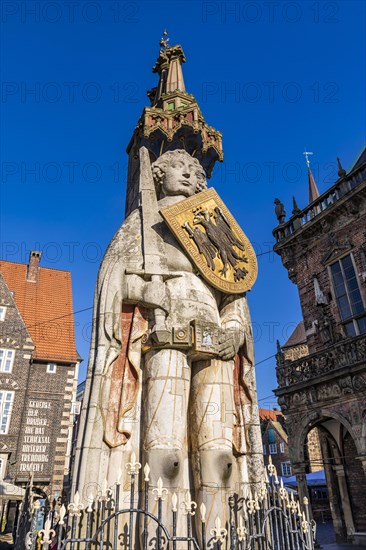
<point x="164" y="40"/>
<point x="320" y="297"/>
<point x="296" y="210"/>
<point x="280" y="211"/>
<point x="280" y="356"/>
<point x="341" y="170"/>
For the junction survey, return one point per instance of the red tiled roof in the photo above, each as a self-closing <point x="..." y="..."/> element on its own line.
<point x="267" y="414"/>
<point x="46" y="308"/>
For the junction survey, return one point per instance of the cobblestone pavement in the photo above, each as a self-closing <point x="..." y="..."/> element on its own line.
<point x="325" y="536"/>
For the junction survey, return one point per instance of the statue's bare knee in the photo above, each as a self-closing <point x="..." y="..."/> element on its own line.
<point x="165" y="463"/>
<point x="216" y="468"/>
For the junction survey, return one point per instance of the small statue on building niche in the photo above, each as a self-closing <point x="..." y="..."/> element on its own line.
<point x="325" y="328"/>
<point x="280" y="211"/>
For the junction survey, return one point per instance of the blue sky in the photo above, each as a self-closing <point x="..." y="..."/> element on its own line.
<point x="274" y="77"/>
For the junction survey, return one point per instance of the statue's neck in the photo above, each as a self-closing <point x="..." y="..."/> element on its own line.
<point x="168" y="201"/>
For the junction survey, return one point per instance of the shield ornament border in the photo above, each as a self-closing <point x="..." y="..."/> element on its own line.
<point x="182" y="212"/>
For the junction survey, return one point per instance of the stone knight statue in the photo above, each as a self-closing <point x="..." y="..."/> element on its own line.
<point x="171" y="369"/>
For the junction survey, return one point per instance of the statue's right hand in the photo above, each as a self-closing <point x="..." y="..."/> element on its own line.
<point x="155" y="295"/>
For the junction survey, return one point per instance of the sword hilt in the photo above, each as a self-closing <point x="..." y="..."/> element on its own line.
<point x="160" y="333"/>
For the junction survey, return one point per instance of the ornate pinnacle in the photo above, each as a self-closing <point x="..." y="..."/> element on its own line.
<point x="119" y="476"/>
<point x="134" y="466"/>
<point x="203" y="512"/>
<point x="47" y="533"/>
<point x="188" y="505"/>
<point x="75" y="508"/>
<point x="146" y="472"/>
<point x="105" y="495"/>
<point x="296" y="210"/>
<point x="164" y="41"/>
<point x="174" y="502"/>
<point x="90" y="499"/>
<point x="61" y="515"/>
<point x="241" y="530"/>
<point x="341" y="170"/>
<point x="219" y="533"/>
<point x="160" y="491"/>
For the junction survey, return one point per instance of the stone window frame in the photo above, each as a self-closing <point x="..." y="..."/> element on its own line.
<point x="51" y="368"/>
<point x="264" y="449"/>
<point x="353" y="318"/>
<point x="286" y="469"/>
<point x="3" y="462"/>
<point x="4" y="358"/>
<point x="2" y="313"/>
<point x="272" y="448"/>
<point x="75" y="408"/>
<point x="282" y="447"/>
<point x="5" y="416"/>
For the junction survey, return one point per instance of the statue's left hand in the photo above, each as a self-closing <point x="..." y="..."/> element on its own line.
<point x="230" y="342"/>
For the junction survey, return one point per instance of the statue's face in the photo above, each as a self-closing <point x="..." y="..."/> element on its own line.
<point x="180" y="177"/>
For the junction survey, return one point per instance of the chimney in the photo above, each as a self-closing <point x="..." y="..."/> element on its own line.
<point x="33" y="266"/>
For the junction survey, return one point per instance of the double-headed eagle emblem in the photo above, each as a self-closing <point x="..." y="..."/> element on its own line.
<point x="217" y="240"/>
<point x="214" y="241"/>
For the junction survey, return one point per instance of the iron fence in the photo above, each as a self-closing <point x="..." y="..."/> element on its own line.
<point x="269" y="519"/>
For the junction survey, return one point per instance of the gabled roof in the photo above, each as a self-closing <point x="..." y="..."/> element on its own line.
<point x="361" y="160"/>
<point x="6" y="299"/>
<point x="278" y="427"/>
<point x="271" y="416"/>
<point x="297" y="338"/>
<point x="46" y="308"/>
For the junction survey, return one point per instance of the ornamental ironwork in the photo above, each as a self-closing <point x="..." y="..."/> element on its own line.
<point x="270" y="518"/>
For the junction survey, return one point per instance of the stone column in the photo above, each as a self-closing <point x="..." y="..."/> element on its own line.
<point x="299" y="469"/>
<point x="333" y="491"/>
<point x="344" y="495"/>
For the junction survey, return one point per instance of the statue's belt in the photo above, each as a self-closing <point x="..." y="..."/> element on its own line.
<point x="197" y="337"/>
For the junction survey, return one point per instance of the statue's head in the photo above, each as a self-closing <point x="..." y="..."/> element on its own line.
<point x="177" y="173"/>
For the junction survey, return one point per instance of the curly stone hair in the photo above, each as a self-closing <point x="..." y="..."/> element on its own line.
<point x="159" y="168"/>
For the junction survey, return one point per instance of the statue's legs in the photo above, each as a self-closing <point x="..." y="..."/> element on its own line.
<point x="166" y="385"/>
<point x="211" y="431"/>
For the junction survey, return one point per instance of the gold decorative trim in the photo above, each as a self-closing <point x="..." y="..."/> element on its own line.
<point x="183" y="220"/>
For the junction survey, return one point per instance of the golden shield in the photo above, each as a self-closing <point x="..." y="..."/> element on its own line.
<point x="214" y="241"/>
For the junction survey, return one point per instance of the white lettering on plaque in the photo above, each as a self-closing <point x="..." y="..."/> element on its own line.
<point x="36" y="437"/>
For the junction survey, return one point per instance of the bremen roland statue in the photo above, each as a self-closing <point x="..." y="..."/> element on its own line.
<point x="171" y="369"/>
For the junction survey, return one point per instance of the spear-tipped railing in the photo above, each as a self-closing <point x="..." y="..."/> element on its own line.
<point x="268" y="518"/>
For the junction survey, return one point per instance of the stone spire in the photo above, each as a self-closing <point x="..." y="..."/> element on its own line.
<point x="313" y="189"/>
<point x="169" y="68"/>
<point x="172" y="121"/>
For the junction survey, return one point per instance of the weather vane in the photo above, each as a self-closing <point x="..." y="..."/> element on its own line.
<point x="164" y="41"/>
<point x="307" y="153"/>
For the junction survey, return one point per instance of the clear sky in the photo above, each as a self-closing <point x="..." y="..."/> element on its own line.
<point x="274" y="77"/>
